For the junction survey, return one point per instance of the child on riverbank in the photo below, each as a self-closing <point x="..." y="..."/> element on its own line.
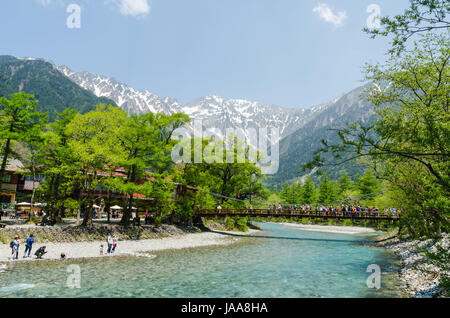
<point x="15" y="248"/>
<point x="114" y="244"/>
<point x="101" y="249"/>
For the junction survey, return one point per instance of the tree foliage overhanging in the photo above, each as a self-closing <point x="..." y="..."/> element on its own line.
<point x="408" y="144"/>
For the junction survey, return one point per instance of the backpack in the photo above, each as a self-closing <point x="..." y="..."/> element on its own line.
<point x="11" y="244"/>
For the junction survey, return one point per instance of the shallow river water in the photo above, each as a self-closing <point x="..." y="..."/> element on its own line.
<point x="277" y="262"/>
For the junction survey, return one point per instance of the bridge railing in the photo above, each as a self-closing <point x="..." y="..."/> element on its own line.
<point x="299" y="213"/>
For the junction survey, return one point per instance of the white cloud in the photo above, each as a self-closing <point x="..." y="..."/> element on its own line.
<point x="44" y="2"/>
<point x="133" y="7"/>
<point x="325" y="13"/>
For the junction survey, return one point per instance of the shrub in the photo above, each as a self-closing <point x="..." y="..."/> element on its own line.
<point x="241" y="224"/>
<point x="229" y="224"/>
<point x="158" y="220"/>
<point x="331" y="222"/>
<point x="347" y="222"/>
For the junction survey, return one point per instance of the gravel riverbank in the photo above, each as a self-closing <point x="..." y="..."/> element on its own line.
<point x="419" y="284"/>
<point x="171" y="238"/>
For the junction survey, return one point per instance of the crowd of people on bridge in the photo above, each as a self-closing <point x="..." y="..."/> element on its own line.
<point x="342" y="210"/>
<point x="331" y="210"/>
<point x="326" y="210"/>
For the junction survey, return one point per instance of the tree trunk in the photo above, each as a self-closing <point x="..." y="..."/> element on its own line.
<point x="108" y="206"/>
<point x="33" y="170"/>
<point x="87" y="218"/>
<point x="4" y="161"/>
<point x="129" y="205"/>
<point x="127" y="211"/>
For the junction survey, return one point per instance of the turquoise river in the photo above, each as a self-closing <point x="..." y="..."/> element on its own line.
<point x="277" y="262"/>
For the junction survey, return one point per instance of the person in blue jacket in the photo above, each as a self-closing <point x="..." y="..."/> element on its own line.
<point x="28" y="245"/>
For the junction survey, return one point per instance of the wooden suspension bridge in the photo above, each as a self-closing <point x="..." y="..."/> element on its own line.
<point x="286" y="213"/>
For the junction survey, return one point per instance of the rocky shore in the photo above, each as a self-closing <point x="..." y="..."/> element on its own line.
<point x="420" y="277"/>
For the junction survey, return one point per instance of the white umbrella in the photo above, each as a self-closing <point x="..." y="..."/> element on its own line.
<point x="116" y="207"/>
<point x="96" y="206"/>
<point x="23" y="203"/>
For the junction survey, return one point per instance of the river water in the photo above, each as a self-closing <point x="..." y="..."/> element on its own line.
<point x="276" y="262"/>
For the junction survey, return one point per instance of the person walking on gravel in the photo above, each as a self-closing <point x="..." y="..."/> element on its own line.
<point x="28" y="245"/>
<point x="110" y="242"/>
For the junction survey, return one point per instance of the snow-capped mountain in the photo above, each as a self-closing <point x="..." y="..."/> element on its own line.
<point x="126" y="97"/>
<point x="214" y="112"/>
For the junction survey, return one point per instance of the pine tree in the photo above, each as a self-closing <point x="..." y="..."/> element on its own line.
<point x="368" y="183"/>
<point x="309" y="191"/>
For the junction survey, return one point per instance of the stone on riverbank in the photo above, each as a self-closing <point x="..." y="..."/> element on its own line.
<point x="419" y="276"/>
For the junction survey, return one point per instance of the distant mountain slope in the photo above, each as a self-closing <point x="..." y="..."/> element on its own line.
<point x="54" y="91"/>
<point x="298" y="148"/>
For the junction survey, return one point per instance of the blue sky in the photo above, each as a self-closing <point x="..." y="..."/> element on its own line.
<point x="292" y="53"/>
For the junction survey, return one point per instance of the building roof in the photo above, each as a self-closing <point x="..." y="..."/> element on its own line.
<point x="15" y="165"/>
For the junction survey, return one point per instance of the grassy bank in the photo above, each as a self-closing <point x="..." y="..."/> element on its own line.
<point x="230" y="224"/>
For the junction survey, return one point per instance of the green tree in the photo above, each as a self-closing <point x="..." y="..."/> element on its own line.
<point x="423" y="16"/>
<point x="58" y="165"/>
<point x="148" y="144"/>
<point x="368" y="184"/>
<point x="93" y="141"/>
<point x="411" y="130"/>
<point x="309" y="195"/>
<point x="225" y="171"/>
<point x="18" y="122"/>
<point x="287" y="193"/>
<point x="327" y="191"/>
<point x="345" y="183"/>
